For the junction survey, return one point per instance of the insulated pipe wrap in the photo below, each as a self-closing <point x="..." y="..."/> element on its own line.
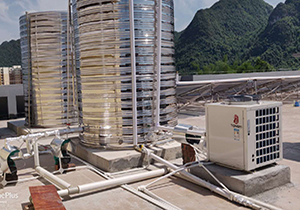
<point x="106" y="184"/>
<point x="52" y="178"/>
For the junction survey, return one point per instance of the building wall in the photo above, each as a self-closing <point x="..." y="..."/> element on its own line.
<point x="15" y="75"/>
<point x="11" y="92"/>
<point x="4" y="71"/>
<point x="11" y="75"/>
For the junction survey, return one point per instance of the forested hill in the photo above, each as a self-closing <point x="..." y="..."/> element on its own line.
<point x="281" y="37"/>
<point x="10" y="53"/>
<point x="228" y="28"/>
<point x="231" y="36"/>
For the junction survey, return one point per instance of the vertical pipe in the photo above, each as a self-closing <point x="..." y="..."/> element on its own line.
<point x="36" y="154"/>
<point x="158" y="64"/>
<point x="28" y="70"/>
<point x="255" y="87"/>
<point x="72" y="55"/>
<point x="68" y="62"/>
<point x="133" y="72"/>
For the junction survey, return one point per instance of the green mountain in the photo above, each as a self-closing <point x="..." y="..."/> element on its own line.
<point x="281" y="37"/>
<point x="10" y="53"/>
<point x="229" y="28"/>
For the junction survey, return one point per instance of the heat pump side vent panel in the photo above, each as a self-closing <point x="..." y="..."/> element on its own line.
<point x="267" y="123"/>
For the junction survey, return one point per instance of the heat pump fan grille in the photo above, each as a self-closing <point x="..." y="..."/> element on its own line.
<point x="267" y="135"/>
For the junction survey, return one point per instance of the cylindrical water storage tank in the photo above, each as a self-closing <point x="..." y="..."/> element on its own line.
<point x="49" y="96"/>
<point x="102" y="28"/>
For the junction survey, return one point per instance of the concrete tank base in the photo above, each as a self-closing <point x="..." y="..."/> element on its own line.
<point x="247" y="183"/>
<point x="119" y="160"/>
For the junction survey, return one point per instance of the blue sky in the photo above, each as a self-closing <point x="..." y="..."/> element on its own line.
<point x="11" y="10"/>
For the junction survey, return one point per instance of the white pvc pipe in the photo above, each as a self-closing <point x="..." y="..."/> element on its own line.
<point x="235" y="80"/>
<point x="158" y="63"/>
<point x="188" y="175"/>
<point x="133" y="73"/>
<point x="36" y="154"/>
<point x="260" y="203"/>
<point x="148" y="198"/>
<point x="46" y="174"/>
<point x="191" y="132"/>
<point x="52" y="178"/>
<point x="106" y="184"/>
<point x="45" y="134"/>
<point x="171" y="206"/>
<point x="126" y="187"/>
<point x="244" y="200"/>
<point x="68" y="62"/>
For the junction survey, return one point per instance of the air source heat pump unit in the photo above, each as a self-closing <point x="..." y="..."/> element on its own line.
<point x="244" y="135"/>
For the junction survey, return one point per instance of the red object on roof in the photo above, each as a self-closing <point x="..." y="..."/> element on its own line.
<point x="46" y="198"/>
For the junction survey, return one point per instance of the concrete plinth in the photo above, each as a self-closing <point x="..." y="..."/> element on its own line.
<point x="17" y="127"/>
<point x="248" y="184"/>
<point x="113" y="161"/>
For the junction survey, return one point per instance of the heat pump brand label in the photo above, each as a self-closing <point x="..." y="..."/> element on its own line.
<point x="236" y="134"/>
<point x="236" y="119"/>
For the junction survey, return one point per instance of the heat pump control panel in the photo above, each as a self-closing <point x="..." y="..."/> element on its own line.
<point x="244" y="135"/>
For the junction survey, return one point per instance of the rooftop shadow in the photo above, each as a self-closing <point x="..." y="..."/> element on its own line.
<point x="291" y="151"/>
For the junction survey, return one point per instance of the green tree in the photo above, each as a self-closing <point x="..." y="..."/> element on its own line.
<point x="262" y="65"/>
<point x="223" y="67"/>
<point x="245" y="67"/>
<point x="195" y="66"/>
<point x="220" y="67"/>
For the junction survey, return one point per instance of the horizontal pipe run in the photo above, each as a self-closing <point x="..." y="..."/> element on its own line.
<point x="198" y="181"/>
<point x="189" y="176"/>
<point x="162" y="142"/>
<point x="106" y="184"/>
<point x="52" y="178"/>
<point x="45" y="134"/>
<point x="232" y="196"/>
<point x="260" y="203"/>
<point x="190" y="132"/>
<point x="202" y="82"/>
<point x="127" y="187"/>
<point x="170" y="206"/>
<point x="148" y="198"/>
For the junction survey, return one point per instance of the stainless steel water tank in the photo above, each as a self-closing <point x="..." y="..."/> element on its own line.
<point x="44" y="64"/>
<point x="102" y="34"/>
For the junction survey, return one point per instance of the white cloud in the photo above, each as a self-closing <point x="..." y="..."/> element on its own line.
<point x="42" y="5"/>
<point x="24" y="4"/>
<point x="186" y="9"/>
<point x="11" y="10"/>
<point x="46" y="5"/>
<point x="274" y="2"/>
<point x="7" y="35"/>
<point x="4" y="12"/>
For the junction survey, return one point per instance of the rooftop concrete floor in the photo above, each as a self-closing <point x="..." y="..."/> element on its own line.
<point x="179" y="192"/>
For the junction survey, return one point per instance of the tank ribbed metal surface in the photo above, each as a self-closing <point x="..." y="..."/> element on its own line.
<point x="44" y="64"/>
<point x="102" y="29"/>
